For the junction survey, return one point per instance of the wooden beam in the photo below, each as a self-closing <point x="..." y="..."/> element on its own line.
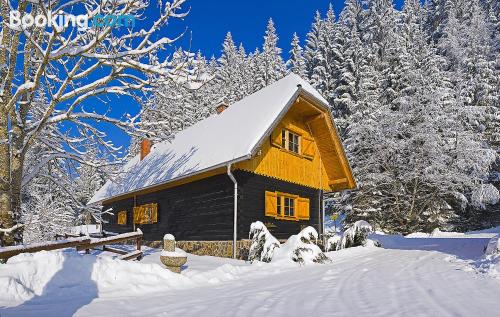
<point x="111" y="240"/>
<point x="114" y="250"/>
<point x="338" y="181"/>
<point x="132" y="255"/>
<point x="314" y="118"/>
<point x="9" y="252"/>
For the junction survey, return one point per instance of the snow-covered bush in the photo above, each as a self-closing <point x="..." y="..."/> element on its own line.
<point x="490" y="262"/>
<point x="333" y="243"/>
<point x="356" y="235"/>
<point x="302" y="248"/>
<point x="263" y="243"/>
<point x="493" y="247"/>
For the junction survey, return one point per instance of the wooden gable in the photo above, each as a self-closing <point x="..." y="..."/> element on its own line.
<point x="321" y="162"/>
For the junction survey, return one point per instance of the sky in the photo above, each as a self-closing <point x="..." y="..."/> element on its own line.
<point x="209" y="21"/>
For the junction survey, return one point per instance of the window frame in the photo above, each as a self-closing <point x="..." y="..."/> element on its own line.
<point x="282" y="197"/>
<point x="287" y="141"/>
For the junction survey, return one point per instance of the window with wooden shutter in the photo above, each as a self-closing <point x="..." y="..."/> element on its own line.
<point x="122" y="218"/>
<point x="308" y="149"/>
<point x="146" y="214"/>
<point x="303" y="209"/>
<point x="286" y="206"/>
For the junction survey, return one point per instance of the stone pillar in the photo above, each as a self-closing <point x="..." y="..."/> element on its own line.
<point x="172" y="257"/>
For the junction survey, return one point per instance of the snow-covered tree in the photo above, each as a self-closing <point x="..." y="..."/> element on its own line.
<point x="296" y="62"/>
<point x="312" y="53"/>
<point x="347" y="91"/>
<point x="410" y="158"/>
<point x="71" y="66"/>
<point x="270" y="65"/>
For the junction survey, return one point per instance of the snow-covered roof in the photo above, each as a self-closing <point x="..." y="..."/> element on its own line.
<point x="229" y="137"/>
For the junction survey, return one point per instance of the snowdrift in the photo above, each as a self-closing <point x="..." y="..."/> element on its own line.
<point x="68" y="274"/>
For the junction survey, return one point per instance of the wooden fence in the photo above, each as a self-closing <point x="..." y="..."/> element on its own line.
<point x="80" y="243"/>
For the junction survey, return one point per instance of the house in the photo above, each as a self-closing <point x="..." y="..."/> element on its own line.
<point x="268" y="157"/>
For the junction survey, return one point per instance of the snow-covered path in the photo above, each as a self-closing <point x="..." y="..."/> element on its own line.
<point x="359" y="282"/>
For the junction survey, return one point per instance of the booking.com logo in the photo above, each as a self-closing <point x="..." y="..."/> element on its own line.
<point x="59" y="21"/>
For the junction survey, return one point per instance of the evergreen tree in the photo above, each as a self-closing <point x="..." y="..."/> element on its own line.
<point x="312" y="53"/>
<point x="270" y="63"/>
<point x="296" y="62"/>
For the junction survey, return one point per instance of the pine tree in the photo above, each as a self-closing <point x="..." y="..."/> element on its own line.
<point x="348" y="85"/>
<point x="325" y="74"/>
<point x="312" y="54"/>
<point x="409" y="159"/>
<point x="296" y="62"/>
<point x="270" y="63"/>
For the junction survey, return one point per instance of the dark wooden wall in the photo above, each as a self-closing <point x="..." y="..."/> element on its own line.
<point x="252" y="205"/>
<point x="203" y="210"/>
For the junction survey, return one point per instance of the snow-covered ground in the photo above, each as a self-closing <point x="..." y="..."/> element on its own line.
<point x="408" y="277"/>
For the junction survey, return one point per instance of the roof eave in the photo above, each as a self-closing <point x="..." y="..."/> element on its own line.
<point x="241" y="158"/>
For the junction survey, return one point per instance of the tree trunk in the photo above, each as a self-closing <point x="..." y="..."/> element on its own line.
<point x="16" y="175"/>
<point x="6" y="215"/>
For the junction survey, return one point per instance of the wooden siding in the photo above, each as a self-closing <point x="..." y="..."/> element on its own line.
<point x="286" y="165"/>
<point x="200" y="210"/>
<point x="203" y="210"/>
<point x="328" y="169"/>
<point x="251" y="205"/>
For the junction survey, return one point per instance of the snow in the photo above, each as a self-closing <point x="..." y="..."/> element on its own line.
<point x="86" y="229"/>
<point x="207" y="144"/>
<point x="169" y="236"/>
<point x="300" y="248"/>
<point x="401" y="279"/>
<point x="360" y="227"/>
<point x="263" y="243"/>
<point x="333" y="242"/>
<point x="493" y="247"/>
<point x="178" y="253"/>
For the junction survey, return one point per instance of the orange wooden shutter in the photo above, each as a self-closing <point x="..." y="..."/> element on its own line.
<point x="138" y="214"/>
<point x="122" y="218"/>
<point x="154" y="213"/>
<point x="276" y="137"/>
<point x="303" y="208"/>
<point x="271" y="204"/>
<point x="308" y="147"/>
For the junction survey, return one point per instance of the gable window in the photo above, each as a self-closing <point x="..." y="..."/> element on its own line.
<point x="286" y="206"/>
<point x="290" y="141"/>
<point x="293" y="142"/>
<point x="146" y="214"/>
<point x="122" y="218"/>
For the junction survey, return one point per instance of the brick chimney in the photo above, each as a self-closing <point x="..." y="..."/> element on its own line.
<point x="221" y="107"/>
<point x="145" y="148"/>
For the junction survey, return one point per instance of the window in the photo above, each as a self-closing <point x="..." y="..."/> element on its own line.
<point x="289" y="206"/>
<point x="146" y="214"/>
<point x="286" y="206"/>
<point x="293" y="142"/>
<point x="122" y="218"/>
<point x="290" y="141"/>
